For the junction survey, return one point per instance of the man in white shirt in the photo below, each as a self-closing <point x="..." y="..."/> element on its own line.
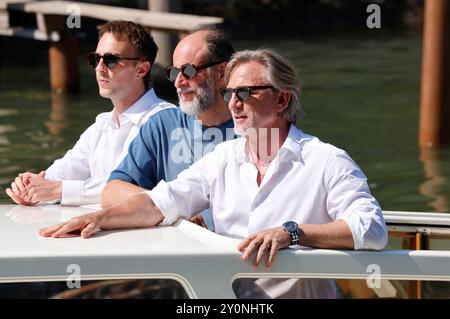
<point x="275" y="187"/>
<point x="124" y="56"/>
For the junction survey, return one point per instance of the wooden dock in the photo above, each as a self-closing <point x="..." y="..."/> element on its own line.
<point x="52" y="25"/>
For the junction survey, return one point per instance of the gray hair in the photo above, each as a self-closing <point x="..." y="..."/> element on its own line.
<point x="279" y="72"/>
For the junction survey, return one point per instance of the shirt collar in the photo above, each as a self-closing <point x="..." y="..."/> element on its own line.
<point x="291" y="148"/>
<point x="135" y="112"/>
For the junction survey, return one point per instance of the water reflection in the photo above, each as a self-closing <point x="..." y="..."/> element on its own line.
<point x="4" y="140"/>
<point x="437" y="179"/>
<point x="6" y="128"/>
<point x="57" y="122"/>
<point x="45" y="213"/>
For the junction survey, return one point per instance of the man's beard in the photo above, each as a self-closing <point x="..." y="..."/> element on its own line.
<point x="202" y="101"/>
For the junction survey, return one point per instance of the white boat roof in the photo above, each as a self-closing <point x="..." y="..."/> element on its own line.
<point x="203" y="262"/>
<point x="23" y="224"/>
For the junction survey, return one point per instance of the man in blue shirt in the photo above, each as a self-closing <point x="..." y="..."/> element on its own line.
<point x="171" y="140"/>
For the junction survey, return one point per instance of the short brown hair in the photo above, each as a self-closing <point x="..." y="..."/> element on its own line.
<point x="137" y="35"/>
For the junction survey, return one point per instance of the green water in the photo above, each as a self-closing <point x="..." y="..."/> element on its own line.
<point x="359" y="93"/>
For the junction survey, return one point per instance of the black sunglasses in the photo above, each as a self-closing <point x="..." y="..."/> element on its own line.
<point x="243" y="93"/>
<point x="188" y="70"/>
<point x="109" y="59"/>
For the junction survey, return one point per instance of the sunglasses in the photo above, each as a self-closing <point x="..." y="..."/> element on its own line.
<point x="243" y="93"/>
<point x="109" y="59"/>
<point x="188" y="70"/>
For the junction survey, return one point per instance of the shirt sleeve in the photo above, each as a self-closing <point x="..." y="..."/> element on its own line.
<point x="74" y="168"/>
<point x="349" y="199"/>
<point x="189" y="193"/>
<point x="81" y="192"/>
<point x="139" y="166"/>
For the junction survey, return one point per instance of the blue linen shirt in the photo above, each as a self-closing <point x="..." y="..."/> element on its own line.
<point x="168" y="143"/>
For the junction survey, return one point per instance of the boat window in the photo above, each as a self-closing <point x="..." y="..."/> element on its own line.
<point x="96" y="289"/>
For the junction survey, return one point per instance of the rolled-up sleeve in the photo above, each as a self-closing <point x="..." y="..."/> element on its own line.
<point x="349" y="199"/>
<point x="73" y="170"/>
<point x="188" y="194"/>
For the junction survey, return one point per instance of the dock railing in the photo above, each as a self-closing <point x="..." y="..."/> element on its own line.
<point x="416" y="229"/>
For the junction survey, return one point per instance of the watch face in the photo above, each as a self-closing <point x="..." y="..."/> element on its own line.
<point x="291" y="226"/>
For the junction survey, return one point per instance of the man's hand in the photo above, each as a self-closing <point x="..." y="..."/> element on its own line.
<point x="18" y="189"/>
<point x="264" y="242"/>
<point x="139" y="211"/>
<point x="16" y="196"/>
<point x="40" y="189"/>
<point x="87" y="225"/>
<point x="198" y="220"/>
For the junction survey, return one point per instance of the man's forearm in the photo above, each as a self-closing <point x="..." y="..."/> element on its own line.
<point x="334" y="235"/>
<point x="138" y="211"/>
<point x="116" y="191"/>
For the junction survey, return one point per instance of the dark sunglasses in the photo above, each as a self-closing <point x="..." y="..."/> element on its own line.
<point x="243" y="93"/>
<point x="188" y="70"/>
<point x="109" y="59"/>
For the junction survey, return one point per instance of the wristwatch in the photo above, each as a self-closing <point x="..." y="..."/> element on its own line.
<point x="291" y="227"/>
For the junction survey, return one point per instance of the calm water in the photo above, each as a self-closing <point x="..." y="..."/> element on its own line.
<point x="359" y="93"/>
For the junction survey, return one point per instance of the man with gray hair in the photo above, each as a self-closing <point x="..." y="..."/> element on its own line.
<point x="275" y="187"/>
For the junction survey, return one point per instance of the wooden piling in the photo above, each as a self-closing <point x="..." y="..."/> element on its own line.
<point x="166" y="41"/>
<point x="434" y="125"/>
<point x="62" y="54"/>
<point x="63" y="60"/>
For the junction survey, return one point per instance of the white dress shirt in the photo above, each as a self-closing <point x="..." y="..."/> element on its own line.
<point x="85" y="168"/>
<point x="308" y="182"/>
